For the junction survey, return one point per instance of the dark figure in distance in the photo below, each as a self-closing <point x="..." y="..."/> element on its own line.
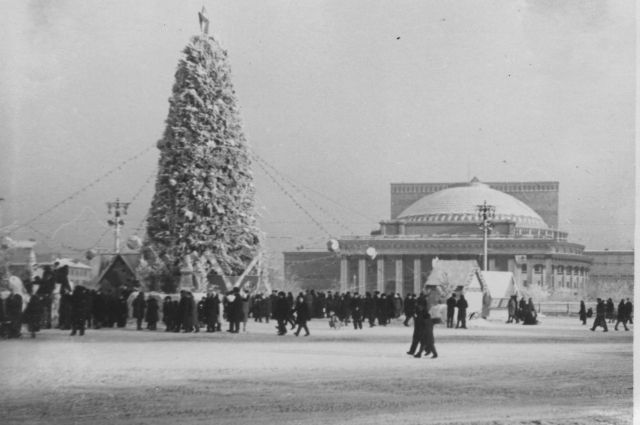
<point x="409" y="308"/>
<point x="622" y="315"/>
<point x="600" y="319"/>
<point x="79" y="310"/>
<point x="152" y="314"/>
<point x="281" y="312"/>
<point x="462" y="312"/>
<point x="583" y="313"/>
<point x="356" y="311"/>
<point x="33" y="314"/>
<point x="427" y="342"/>
<point x="451" y="308"/>
<point x="13" y="313"/>
<point x="168" y="315"/>
<point x="138" y="309"/>
<point x="302" y="315"/>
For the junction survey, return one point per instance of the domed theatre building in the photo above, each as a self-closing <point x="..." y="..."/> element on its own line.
<point x="442" y="220"/>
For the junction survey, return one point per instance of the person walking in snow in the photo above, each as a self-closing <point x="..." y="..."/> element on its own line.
<point x="302" y="315"/>
<point x="600" y="319"/>
<point x="622" y="315"/>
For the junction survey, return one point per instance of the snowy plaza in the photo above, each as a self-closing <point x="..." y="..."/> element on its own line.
<point x="170" y="171"/>
<point x="557" y="372"/>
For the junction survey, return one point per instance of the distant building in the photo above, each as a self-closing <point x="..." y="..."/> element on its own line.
<point x="312" y="270"/>
<point x="611" y="272"/>
<point x="21" y="259"/>
<point x="117" y="273"/>
<point x="440" y="220"/>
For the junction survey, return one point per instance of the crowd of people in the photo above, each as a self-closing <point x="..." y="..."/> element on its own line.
<point x="521" y="311"/>
<point x="606" y="311"/>
<point x="80" y="309"/>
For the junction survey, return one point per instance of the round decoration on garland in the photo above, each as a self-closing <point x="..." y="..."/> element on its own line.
<point x="333" y="245"/>
<point x="134" y="243"/>
<point x="173" y="182"/>
<point x="90" y="254"/>
<point x="371" y="252"/>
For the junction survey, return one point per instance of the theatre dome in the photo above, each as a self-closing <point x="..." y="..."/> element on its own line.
<point x="459" y="204"/>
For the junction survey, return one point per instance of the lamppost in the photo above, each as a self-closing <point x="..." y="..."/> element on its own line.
<point x="117" y="221"/>
<point x="486" y="213"/>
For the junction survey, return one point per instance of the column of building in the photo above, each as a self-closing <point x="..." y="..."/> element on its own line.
<point x="344" y="274"/>
<point x="417" y="275"/>
<point x="380" y="275"/>
<point x="399" y="276"/>
<point x="362" y="275"/>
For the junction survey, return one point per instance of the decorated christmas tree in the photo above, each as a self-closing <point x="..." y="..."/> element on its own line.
<point x="202" y="212"/>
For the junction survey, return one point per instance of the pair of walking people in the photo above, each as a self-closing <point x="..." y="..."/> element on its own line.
<point x="423" y="338"/>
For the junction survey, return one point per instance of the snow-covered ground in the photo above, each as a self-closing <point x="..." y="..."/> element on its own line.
<point x="557" y="372"/>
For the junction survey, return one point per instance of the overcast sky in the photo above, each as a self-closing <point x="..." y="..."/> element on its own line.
<point x="341" y="97"/>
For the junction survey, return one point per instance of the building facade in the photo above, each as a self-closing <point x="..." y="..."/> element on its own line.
<point x="612" y="273"/>
<point x="430" y="220"/>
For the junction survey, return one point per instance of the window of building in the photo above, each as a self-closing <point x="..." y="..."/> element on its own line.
<point x="537" y="269"/>
<point x="523" y="268"/>
<point x="560" y="269"/>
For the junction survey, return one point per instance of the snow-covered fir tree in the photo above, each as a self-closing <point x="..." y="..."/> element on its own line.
<point x="203" y="206"/>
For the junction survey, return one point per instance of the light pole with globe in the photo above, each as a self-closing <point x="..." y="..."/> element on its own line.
<point x="486" y="213"/>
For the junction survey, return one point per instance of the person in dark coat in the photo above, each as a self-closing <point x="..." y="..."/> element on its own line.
<point x="409" y="308"/>
<point x="622" y="315"/>
<point x="168" y="314"/>
<point x="381" y="308"/>
<point x="281" y="312"/>
<point x="291" y="301"/>
<point x="185" y="313"/>
<point x="462" y="312"/>
<point x="200" y="308"/>
<point x="61" y="276"/>
<point x="427" y="342"/>
<point x="302" y="315"/>
<point x="512" y="309"/>
<point x="390" y="308"/>
<point x="195" y="324"/>
<point x="600" y="320"/>
<point x="309" y="298"/>
<point x="79" y="310"/>
<point x="583" y="313"/>
<point x="64" y="311"/>
<point x="266" y="307"/>
<point x="610" y="310"/>
<point x="234" y="310"/>
<point x="33" y="314"/>
<point x="13" y="312"/>
<point x="152" y="313"/>
<point x="356" y="311"/>
<point x="629" y="306"/>
<point x="398" y="305"/>
<point x="45" y="290"/>
<point x="530" y="314"/>
<point x="369" y="309"/>
<point x="451" y="308"/>
<point x="122" y="310"/>
<point x="418" y="330"/>
<point x="177" y="317"/>
<point x="211" y="311"/>
<point x="522" y="308"/>
<point x="139" y="306"/>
